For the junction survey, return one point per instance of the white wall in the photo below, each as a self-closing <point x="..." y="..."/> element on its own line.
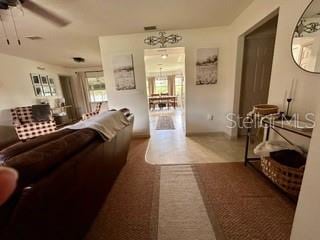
<point x="222" y="98"/>
<point x="201" y="100"/>
<point x="207" y="99"/>
<point x="15" y="83"/>
<point x="136" y="100"/>
<point x="306" y="224"/>
<point x="307" y="218"/>
<point x="284" y="68"/>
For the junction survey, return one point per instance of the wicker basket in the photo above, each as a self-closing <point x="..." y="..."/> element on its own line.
<point x="287" y="178"/>
<point x="265" y="109"/>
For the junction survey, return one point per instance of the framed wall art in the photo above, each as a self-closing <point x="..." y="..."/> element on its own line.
<point x="35" y="79"/>
<point x="123" y="71"/>
<point x="44" y="80"/>
<point x="207" y="66"/>
<point x="43" y="85"/>
<point x="38" y="91"/>
<point x="51" y="81"/>
<point x="46" y="91"/>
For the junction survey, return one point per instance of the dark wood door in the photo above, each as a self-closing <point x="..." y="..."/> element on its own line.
<point x="257" y="67"/>
<point x="67" y="92"/>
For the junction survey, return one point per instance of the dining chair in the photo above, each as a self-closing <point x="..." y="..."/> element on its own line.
<point x="97" y="110"/>
<point x="154" y="103"/>
<point x="166" y="102"/>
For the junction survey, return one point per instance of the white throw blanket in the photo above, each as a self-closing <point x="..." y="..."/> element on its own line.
<point x="265" y="148"/>
<point x="107" y="124"/>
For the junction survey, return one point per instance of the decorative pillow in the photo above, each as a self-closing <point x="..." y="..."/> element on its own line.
<point x="41" y="113"/>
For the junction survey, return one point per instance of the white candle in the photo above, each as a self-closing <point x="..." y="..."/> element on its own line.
<point x="285" y="100"/>
<point x="294" y="91"/>
<point x="291" y="89"/>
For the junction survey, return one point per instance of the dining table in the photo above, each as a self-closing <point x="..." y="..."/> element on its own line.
<point x="164" y="99"/>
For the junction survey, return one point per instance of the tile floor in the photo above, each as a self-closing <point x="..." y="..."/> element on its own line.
<point x="173" y="147"/>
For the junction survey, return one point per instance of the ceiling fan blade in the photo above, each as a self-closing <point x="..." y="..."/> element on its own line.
<point x="4" y="6"/>
<point x="11" y="3"/>
<point x="45" y="13"/>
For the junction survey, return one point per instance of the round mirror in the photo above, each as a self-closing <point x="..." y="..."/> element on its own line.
<point x="306" y="39"/>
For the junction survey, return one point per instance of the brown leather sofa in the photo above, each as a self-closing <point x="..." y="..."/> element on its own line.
<point x="64" y="179"/>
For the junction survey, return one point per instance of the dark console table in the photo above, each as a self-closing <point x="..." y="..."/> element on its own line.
<point x="276" y="126"/>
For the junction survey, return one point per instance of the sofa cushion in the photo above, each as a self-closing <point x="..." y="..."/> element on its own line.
<point x="22" y="147"/>
<point x="37" y="162"/>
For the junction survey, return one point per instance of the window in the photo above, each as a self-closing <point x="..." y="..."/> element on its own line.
<point x="97" y="87"/>
<point x="179" y="85"/>
<point x="161" y="85"/>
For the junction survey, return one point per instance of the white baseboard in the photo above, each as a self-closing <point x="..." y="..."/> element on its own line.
<point x="191" y="134"/>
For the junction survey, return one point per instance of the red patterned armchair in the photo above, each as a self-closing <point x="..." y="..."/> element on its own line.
<point x="25" y="125"/>
<point x="88" y="115"/>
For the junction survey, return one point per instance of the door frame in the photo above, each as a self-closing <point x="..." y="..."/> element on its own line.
<point x="239" y="67"/>
<point x="184" y="127"/>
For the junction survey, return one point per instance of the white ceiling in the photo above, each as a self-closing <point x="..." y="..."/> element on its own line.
<point x="174" y="62"/>
<point x="313" y="9"/>
<point x="94" y="18"/>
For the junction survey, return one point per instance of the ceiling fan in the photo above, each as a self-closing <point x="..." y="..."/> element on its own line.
<point x="36" y="9"/>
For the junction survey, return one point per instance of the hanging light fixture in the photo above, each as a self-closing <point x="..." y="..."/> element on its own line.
<point x="162" y="39"/>
<point x="161" y="76"/>
<point x="304" y="27"/>
<point x="164" y="56"/>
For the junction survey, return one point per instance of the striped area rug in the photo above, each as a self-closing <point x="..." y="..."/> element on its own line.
<point x="182" y="213"/>
<point x="165" y="123"/>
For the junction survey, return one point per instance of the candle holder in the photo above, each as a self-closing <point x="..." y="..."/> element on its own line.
<point x="289" y="100"/>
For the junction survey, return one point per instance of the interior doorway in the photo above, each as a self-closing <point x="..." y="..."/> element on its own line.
<point x="257" y="67"/>
<point x="66" y="112"/>
<point x="165" y="81"/>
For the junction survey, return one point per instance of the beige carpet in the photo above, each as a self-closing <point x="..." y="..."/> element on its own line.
<point x="165" y="122"/>
<point x="182" y="213"/>
<point x="131" y="209"/>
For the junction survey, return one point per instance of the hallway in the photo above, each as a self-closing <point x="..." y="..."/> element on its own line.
<point x="173" y="147"/>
